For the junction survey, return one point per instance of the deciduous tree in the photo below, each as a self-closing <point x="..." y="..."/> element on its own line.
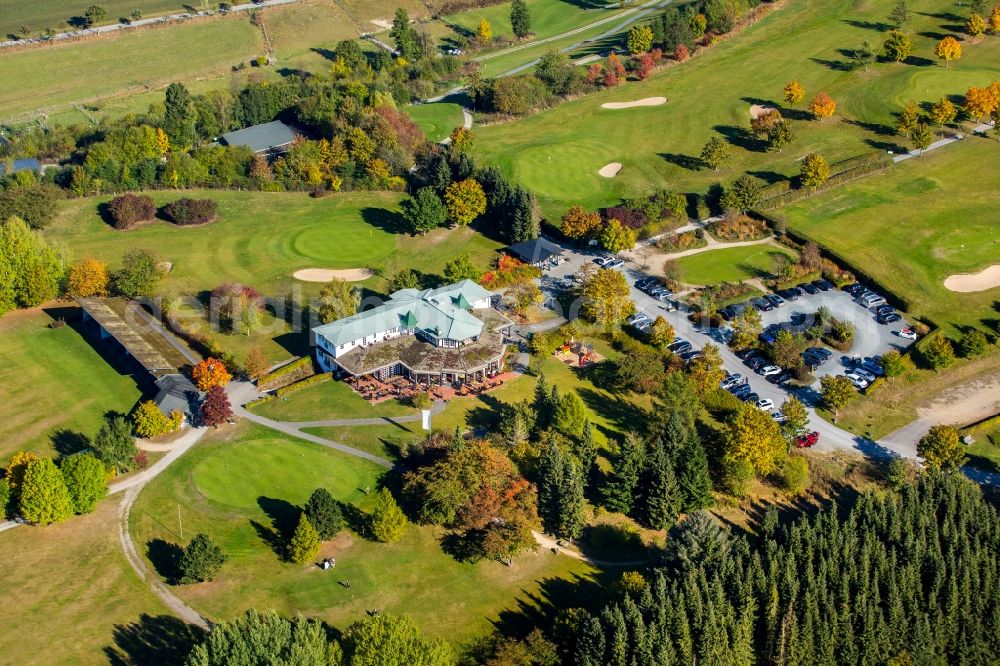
<point x="822" y="106"/>
<point x="149" y="421"/>
<point x="973" y="343"/>
<point x="995" y="20"/>
<point x="909" y="118"/>
<point x="616" y="238"/>
<point x="465" y="201"/>
<point x="86" y="479"/>
<point x="265" y="638"/>
<point x="215" y="408"/>
<point x="485" y="32"/>
<point x="922" y="137"/>
<point x="941" y="449"/>
<point x="138" y="275"/>
<point x="815" y="170"/>
<point x="607" y="297"/>
<point x="387" y="520"/>
<point x="943" y="112"/>
<point x="796" y="417"/>
<point x="742" y="195"/>
<point x="938" y="352"/>
<point x="794" y="93"/>
<point x="746" y="327"/>
<point x="520" y="19"/>
<point x="337" y="299"/>
<point x="975" y="26"/>
<point x="384" y="639"/>
<point x="461" y="268"/>
<point x="201" y="560"/>
<point x="706" y="370"/>
<point x="210" y="372"/>
<point x="864" y="56"/>
<point x="639" y="39"/>
<point x="43" y="496"/>
<point x="754" y="437"/>
<point x="980" y="102"/>
<point x="578" y="224"/>
<point x="837" y="391"/>
<point x="256" y="363"/>
<point x="948" y="49"/>
<point x="88" y="277"/>
<point x="114" y="443"/>
<point x="897" y="46"/>
<point x="661" y="333"/>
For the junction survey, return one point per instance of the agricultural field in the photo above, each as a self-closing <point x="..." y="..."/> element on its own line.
<point x="93" y="611"/>
<point x="57" y="387"/>
<point x="730" y="264"/>
<point x="913" y="226"/>
<point x="557" y="153"/>
<point x="38" y="15"/>
<point x="436" y="120"/>
<point x="53" y="75"/>
<point x="445" y="597"/>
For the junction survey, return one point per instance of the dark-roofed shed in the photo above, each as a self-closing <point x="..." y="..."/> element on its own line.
<point x="535" y="251"/>
<point x="175" y="392"/>
<point x="271" y="137"/>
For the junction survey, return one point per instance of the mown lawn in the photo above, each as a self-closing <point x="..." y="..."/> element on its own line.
<point x="118" y="63"/>
<point x="558" y="152"/>
<point x="71" y="597"/>
<point x="329" y="400"/>
<point x="730" y="264"/>
<point x="38" y="15"/>
<point x="913" y="226"/>
<point x="56" y="386"/>
<point x="436" y="120"/>
<point x="238" y="484"/>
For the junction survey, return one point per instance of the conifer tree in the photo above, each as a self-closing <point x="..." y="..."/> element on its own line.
<point x="694" y="478"/>
<point x="659" y="490"/>
<point x="323" y="513"/>
<point x="304" y="543"/>
<point x="621" y="488"/>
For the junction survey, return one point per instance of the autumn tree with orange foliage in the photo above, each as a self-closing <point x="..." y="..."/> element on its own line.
<point x="89" y="277"/>
<point x="681" y="53"/>
<point x="948" y="49"/>
<point x="210" y="372"/>
<point x="579" y="224"/>
<point x="615" y="65"/>
<point x="822" y="106"/>
<point x="981" y="102"/>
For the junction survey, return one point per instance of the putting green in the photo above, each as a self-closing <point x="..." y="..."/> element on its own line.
<point x="321" y="241"/>
<point x="564" y="170"/>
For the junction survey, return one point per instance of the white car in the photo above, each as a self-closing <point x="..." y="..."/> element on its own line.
<point x="778" y="417"/>
<point x="857" y="380"/>
<point x="614" y="263"/>
<point x="864" y="374"/>
<point x="908" y="333"/>
<point x="769" y="370"/>
<point x="766" y="404"/>
<point x="453" y="51"/>
<point x="636" y="318"/>
<point x="731" y="381"/>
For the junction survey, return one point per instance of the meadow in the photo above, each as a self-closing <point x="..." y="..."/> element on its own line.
<point x="245" y="482"/>
<point x="557" y="153"/>
<point x="56" y="385"/>
<point x="116" y="64"/>
<point x="911" y="227"/>
<point x="730" y="264"/>
<point x="38" y="15"/>
<point x="71" y="598"/>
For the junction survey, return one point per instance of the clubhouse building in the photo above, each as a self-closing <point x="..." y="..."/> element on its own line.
<point x="430" y="336"/>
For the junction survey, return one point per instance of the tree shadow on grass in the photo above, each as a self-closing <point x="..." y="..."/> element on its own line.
<point x="386" y="220"/>
<point x="877" y="26"/>
<point x="539" y="608"/>
<point x="166" y="559"/>
<point x="688" y="162"/>
<point x="931" y="34"/>
<point x="741" y="138"/>
<point x="356" y="520"/>
<point x="284" y="517"/>
<point x="622" y="413"/>
<point x="769" y="177"/>
<point x="67" y="442"/>
<point x="919" y="61"/>
<point x="463" y="546"/>
<point x="875" y="128"/>
<point x="835" y="65"/>
<point x="163" y="640"/>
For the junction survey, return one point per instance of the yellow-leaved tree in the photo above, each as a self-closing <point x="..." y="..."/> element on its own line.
<point x="948" y="49"/>
<point x="752" y="436"/>
<point x="88" y="277"/>
<point x="794" y="92"/>
<point x="465" y="201"/>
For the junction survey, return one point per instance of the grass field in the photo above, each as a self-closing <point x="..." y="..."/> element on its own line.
<point x="262" y="238"/>
<point x="329" y="400"/>
<point x="557" y="153"/>
<point x="915" y="225"/>
<point x="71" y="598"/>
<point x="115" y="64"/>
<point x="730" y="264"/>
<point x="38" y="15"/>
<point x="436" y="120"/>
<point x="55" y="384"/>
<point x="248" y="476"/>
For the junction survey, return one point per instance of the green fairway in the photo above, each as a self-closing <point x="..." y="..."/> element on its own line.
<point x="557" y="153"/>
<point x="730" y="264"/>
<point x="54" y="383"/>
<point x="436" y="120"/>
<point x="329" y="400"/>
<point x="119" y="63"/>
<point x="37" y="15"/>
<point x="915" y="225"/>
<point x="71" y="597"/>
<point x="234" y="486"/>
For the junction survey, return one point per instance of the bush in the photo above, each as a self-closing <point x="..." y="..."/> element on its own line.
<point x="738" y="476"/>
<point x="308" y="381"/>
<point x="795" y="475"/>
<point x="687" y="240"/>
<point x="301" y="367"/>
<point x="738" y="228"/>
<point x="629" y="217"/>
<point x="128" y="209"/>
<point x="201" y="560"/>
<point x="185" y="212"/>
<point x="36" y="204"/>
<point x="973" y="343"/>
<point x="937" y="352"/>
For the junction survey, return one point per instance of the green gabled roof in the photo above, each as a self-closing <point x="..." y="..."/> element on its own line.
<point x="409" y="320"/>
<point x="463" y="302"/>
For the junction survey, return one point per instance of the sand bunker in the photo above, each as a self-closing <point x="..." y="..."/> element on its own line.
<point x="987" y="278"/>
<point x="648" y="101"/>
<point x="327" y="274"/>
<point x="610" y="170"/>
<point x="757" y="110"/>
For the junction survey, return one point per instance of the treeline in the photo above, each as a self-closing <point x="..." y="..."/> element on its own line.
<point x="907" y="578"/>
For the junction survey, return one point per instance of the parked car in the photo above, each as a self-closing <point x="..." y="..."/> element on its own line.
<point x="864" y="374"/>
<point x="854" y="289"/>
<point x="646" y="282"/>
<point x="769" y="370"/>
<point x="731" y="381"/>
<point x="907" y="333"/>
<point x="744" y="354"/>
<point x="859" y="382"/>
<point x="614" y="263"/>
<point x="637" y="318"/>
<point x="691" y="355"/>
<point x="766" y="404"/>
<point x="890" y="318"/>
<point x="751" y="398"/>
<point x="805" y="440"/>
<point x="755" y="362"/>
<point x="809" y="288"/>
<point x="884" y="309"/>
<point x="452" y="51"/>
<point x="779" y="417"/>
<point x="873" y="368"/>
<point x="871" y="300"/>
<point x="680" y="347"/>
<point x="820" y="351"/>
<point x="813" y="361"/>
<point x="669" y="304"/>
<point x="644" y="326"/>
<point x="781" y="378"/>
<point x="822" y="285"/>
<point x="789" y="294"/>
<point x="762" y="304"/>
<point x="727" y="314"/>
<point x="742" y="390"/>
<point x="774" y="299"/>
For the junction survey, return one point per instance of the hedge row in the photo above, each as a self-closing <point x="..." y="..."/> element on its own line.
<point x="302" y="367"/>
<point x="308" y="381"/>
<point x="839" y="179"/>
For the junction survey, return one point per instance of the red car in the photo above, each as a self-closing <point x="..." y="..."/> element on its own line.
<point x="806" y="440"/>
